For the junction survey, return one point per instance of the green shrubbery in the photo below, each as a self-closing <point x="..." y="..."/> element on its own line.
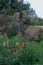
<point x="11" y="53"/>
<point x="19" y="50"/>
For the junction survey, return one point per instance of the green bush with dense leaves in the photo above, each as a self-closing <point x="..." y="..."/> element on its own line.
<point x="11" y="53"/>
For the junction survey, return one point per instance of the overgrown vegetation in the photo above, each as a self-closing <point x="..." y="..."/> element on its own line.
<point x="21" y="34"/>
<point x="13" y="53"/>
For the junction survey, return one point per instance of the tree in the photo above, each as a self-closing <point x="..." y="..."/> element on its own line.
<point x="10" y="6"/>
<point x="15" y="6"/>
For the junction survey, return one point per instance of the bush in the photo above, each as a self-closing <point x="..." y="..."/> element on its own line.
<point x="32" y="54"/>
<point x="40" y="34"/>
<point x="11" y="53"/>
<point x="12" y="31"/>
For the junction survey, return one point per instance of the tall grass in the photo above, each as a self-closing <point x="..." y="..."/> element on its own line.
<point x="11" y="53"/>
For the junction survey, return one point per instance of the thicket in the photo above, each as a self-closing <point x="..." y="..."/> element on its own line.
<point x="13" y="53"/>
<point x="26" y="49"/>
<point x="26" y="16"/>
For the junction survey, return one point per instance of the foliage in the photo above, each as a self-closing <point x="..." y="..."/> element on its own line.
<point x="11" y="53"/>
<point x="9" y="6"/>
<point x="40" y="21"/>
<point x="40" y="34"/>
<point x="13" y="31"/>
<point x="20" y="50"/>
<point x="8" y="24"/>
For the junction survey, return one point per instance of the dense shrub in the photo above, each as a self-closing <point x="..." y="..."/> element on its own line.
<point x="11" y="53"/>
<point x="40" y="34"/>
<point x="12" y="31"/>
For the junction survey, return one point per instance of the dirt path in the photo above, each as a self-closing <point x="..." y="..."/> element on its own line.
<point x="39" y="27"/>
